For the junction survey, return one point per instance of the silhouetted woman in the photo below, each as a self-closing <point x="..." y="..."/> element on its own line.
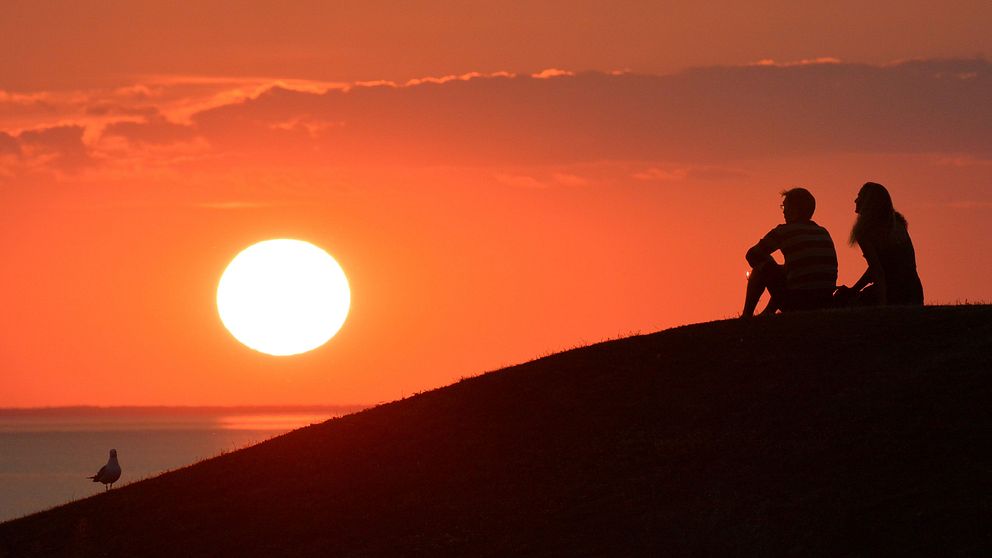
<point x="883" y="235"/>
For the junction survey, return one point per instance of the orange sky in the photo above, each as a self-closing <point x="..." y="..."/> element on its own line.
<point x="498" y="182"/>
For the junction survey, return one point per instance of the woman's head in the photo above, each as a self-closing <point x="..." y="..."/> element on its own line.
<point x="873" y="202"/>
<point x="876" y="214"/>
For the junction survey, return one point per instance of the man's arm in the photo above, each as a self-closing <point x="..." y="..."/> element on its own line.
<point x="761" y="253"/>
<point x="756" y="256"/>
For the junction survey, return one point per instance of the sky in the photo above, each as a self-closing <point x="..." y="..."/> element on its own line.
<point x="499" y="181"/>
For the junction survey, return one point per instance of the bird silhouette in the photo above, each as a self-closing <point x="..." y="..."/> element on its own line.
<point x="109" y="473"/>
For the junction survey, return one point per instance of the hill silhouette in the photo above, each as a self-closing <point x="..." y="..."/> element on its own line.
<point x="835" y="433"/>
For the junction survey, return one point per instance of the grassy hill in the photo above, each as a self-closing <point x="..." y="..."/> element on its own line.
<point x="851" y="432"/>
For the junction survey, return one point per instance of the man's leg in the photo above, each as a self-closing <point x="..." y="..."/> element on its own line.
<point x="768" y="275"/>
<point x="775" y="283"/>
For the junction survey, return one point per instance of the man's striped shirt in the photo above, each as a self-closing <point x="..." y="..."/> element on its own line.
<point x="810" y="257"/>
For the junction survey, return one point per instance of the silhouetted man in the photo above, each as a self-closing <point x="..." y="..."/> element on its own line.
<point x="809" y="276"/>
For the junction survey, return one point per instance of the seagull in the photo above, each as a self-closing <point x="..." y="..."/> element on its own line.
<point x="110" y="472"/>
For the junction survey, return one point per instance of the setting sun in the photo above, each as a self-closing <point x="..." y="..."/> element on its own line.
<point x="283" y="297"/>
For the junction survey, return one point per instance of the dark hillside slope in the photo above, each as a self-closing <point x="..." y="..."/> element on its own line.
<point x="836" y="433"/>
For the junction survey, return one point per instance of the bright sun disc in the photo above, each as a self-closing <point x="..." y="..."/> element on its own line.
<point x="283" y="297"/>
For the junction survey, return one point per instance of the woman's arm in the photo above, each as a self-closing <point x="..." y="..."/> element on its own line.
<point x="875" y="273"/>
<point x="863" y="282"/>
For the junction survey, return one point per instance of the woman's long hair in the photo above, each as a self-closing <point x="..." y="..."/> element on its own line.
<point x="877" y="218"/>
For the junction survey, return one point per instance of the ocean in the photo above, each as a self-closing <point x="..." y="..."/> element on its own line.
<point x="46" y="454"/>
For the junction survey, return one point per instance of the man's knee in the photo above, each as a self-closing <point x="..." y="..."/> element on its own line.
<point x="757" y="258"/>
<point x="769" y="271"/>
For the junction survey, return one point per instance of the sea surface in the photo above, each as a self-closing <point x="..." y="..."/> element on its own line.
<point x="46" y="454"/>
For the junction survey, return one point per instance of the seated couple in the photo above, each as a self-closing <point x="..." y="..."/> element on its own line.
<point x="807" y="280"/>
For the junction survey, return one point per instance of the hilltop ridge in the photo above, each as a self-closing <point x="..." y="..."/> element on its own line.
<point x="839" y="432"/>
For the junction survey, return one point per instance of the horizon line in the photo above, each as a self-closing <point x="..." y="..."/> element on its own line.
<point x="153" y="409"/>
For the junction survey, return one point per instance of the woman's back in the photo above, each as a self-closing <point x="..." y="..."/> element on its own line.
<point x="898" y="260"/>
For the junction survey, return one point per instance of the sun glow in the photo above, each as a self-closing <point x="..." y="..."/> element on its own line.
<point x="283" y="297"/>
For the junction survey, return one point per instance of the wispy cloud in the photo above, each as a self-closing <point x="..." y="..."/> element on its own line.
<point x="60" y="147"/>
<point x="155" y="130"/>
<point x="552" y="73"/>
<point x="568" y="179"/>
<point x="716" y="113"/>
<point x="9" y="144"/>
<point x="702" y="118"/>
<point x="803" y="62"/>
<point x="463" y="77"/>
<point x="234" y="205"/>
<point x="655" y="174"/>
<point x="970" y="204"/>
<point x="963" y="161"/>
<point x="521" y="181"/>
<point x="705" y="173"/>
<point x="543" y="180"/>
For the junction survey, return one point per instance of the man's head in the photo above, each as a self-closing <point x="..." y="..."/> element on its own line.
<point x="798" y="205"/>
